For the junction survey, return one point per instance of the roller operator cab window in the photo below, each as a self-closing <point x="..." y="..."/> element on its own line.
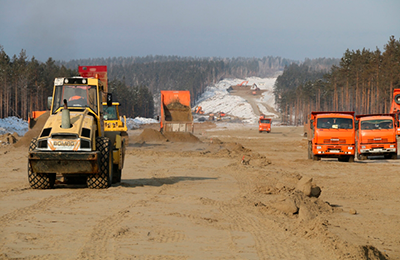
<point x="377" y="124"/>
<point x="76" y="97"/>
<point x="110" y="113"/>
<point x="265" y="121"/>
<point x="334" y="123"/>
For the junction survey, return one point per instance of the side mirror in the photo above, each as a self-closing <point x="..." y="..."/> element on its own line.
<point x="49" y="101"/>
<point x="109" y="99"/>
<point x="312" y="124"/>
<point x="356" y="126"/>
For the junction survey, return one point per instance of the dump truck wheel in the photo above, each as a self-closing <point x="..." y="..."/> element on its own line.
<point x="104" y="178"/>
<point x="39" y="180"/>
<point x="350" y="158"/>
<point x="394" y="156"/>
<point x="361" y="157"/>
<point x="316" y="158"/>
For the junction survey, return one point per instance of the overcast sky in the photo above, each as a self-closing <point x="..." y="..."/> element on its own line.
<point x="292" y="29"/>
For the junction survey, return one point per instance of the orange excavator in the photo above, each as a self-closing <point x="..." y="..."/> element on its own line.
<point x="199" y="110"/>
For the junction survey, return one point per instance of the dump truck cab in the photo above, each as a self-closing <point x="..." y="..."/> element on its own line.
<point x="264" y="124"/>
<point x="332" y="136"/>
<point x="72" y="142"/>
<point x="376" y="135"/>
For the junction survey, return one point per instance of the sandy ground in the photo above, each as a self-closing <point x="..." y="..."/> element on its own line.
<point x="233" y="193"/>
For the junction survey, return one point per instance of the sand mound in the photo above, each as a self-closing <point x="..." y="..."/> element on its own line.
<point x="302" y="200"/>
<point x="8" y="138"/>
<point x="151" y="135"/>
<point x="181" y="137"/>
<point x="236" y="148"/>
<point x="34" y="131"/>
<point x="309" y="188"/>
<point x="215" y="141"/>
<point x="177" y="112"/>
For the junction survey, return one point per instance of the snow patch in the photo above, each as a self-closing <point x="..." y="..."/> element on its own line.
<point x="13" y="125"/>
<point x="133" y="123"/>
<point x="216" y="99"/>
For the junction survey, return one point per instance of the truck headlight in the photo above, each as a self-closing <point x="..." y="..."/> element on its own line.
<point x="363" y="146"/>
<point x="392" y="145"/>
<point x="350" y="148"/>
<point x="318" y="147"/>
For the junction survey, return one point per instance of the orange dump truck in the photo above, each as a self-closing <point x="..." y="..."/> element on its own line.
<point x="332" y="135"/>
<point x="176" y="114"/>
<point x="376" y="135"/>
<point x="264" y="124"/>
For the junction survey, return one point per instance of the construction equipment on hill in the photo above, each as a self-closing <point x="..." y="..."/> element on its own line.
<point x="176" y="113"/>
<point x="73" y="141"/>
<point x="199" y="110"/>
<point x="255" y="89"/>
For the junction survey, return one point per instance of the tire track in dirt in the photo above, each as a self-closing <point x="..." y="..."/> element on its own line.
<point x="100" y="244"/>
<point x="38" y="207"/>
<point x="166" y="235"/>
<point x="268" y="235"/>
<point x="41" y="207"/>
<point x="14" y="191"/>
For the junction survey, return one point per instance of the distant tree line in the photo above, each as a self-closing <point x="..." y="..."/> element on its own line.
<point x="134" y="101"/>
<point x="188" y="73"/>
<point x="362" y="82"/>
<point x="26" y="84"/>
<point x="135" y="82"/>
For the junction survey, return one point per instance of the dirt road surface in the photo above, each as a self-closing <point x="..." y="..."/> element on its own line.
<point x="230" y="193"/>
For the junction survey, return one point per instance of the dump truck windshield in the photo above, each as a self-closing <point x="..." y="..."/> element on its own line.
<point x="76" y="96"/>
<point x="265" y="121"/>
<point x="377" y="124"/>
<point x="334" y="123"/>
<point x="110" y="113"/>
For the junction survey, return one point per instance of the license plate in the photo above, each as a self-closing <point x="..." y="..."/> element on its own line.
<point x="334" y="151"/>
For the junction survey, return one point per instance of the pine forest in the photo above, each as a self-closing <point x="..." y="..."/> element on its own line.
<point x="363" y="82"/>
